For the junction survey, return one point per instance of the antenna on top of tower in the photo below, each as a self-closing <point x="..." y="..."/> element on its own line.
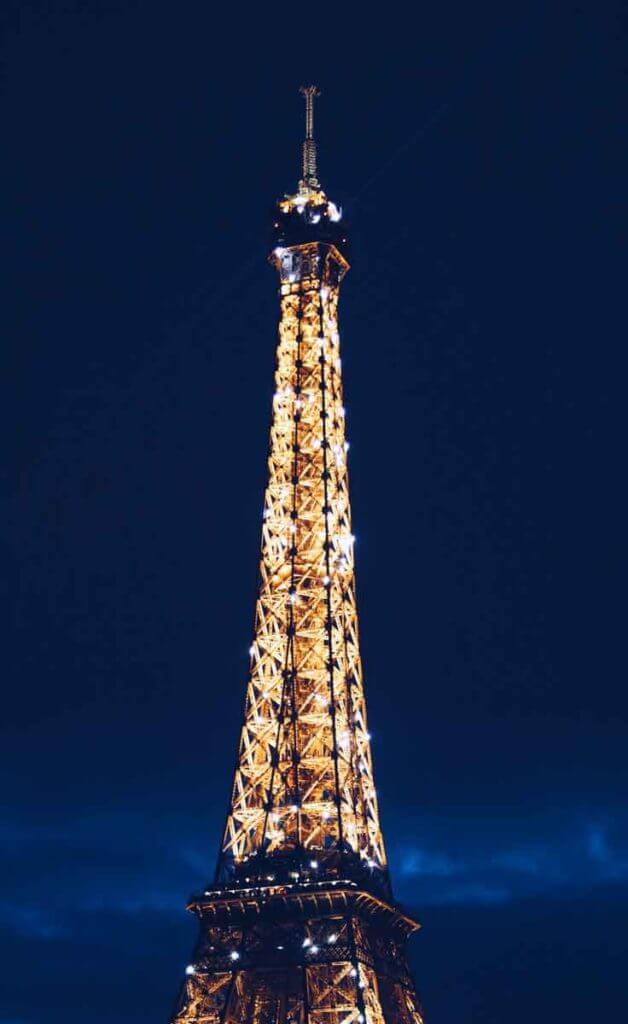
<point x="309" y="182"/>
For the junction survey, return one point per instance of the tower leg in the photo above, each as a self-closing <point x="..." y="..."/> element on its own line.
<point x="327" y="969"/>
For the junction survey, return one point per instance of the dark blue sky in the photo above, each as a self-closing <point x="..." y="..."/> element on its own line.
<point x="480" y="154"/>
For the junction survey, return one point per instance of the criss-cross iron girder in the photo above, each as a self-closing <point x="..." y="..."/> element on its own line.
<point x="304" y="776"/>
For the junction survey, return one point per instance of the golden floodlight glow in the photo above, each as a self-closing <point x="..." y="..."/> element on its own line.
<point x="304" y="749"/>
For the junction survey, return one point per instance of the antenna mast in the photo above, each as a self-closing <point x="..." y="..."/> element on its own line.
<point x="309" y="182"/>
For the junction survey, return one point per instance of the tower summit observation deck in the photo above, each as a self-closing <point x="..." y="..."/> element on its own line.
<point x="299" y="925"/>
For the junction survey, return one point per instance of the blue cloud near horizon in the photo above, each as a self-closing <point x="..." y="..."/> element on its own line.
<point x="105" y="908"/>
<point x="77" y="870"/>
<point x="586" y="855"/>
<point x="415" y="861"/>
<point x="32" y="922"/>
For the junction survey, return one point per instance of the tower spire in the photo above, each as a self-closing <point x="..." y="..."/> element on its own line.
<point x="309" y="181"/>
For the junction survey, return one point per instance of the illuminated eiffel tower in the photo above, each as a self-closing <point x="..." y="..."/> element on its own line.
<point x="299" y="925"/>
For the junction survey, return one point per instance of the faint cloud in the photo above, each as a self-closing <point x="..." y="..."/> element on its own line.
<point x="195" y="858"/>
<point x="154" y="901"/>
<point x="473" y="892"/>
<point x="612" y="865"/>
<point x="87" y="872"/>
<point x="573" y="859"/>
<point x="518" y="860"/>
<point x="597" y="846"/>
<point x="12" y="833"/>
<point x="420" y="862"/>
<point x="30" y="922"/>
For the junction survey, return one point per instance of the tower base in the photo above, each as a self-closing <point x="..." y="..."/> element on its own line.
<point x="317" y="953"/>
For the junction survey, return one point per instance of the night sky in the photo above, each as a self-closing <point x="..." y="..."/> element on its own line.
<point x="479" y="152"/>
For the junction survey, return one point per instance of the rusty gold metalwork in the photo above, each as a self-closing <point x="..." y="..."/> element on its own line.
<point x="304" y="777"/>
<point x="300" y="926"/>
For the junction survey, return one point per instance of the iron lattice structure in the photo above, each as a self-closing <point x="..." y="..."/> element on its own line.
<point x="300" y="926"/>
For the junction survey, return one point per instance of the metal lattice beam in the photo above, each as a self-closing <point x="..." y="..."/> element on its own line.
<point x="304" y="777"/>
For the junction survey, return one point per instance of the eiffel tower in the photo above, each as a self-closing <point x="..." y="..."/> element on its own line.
<point x="300" y="925"/>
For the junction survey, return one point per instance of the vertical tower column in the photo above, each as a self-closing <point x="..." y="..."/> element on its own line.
<point x="304" y="780"/>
